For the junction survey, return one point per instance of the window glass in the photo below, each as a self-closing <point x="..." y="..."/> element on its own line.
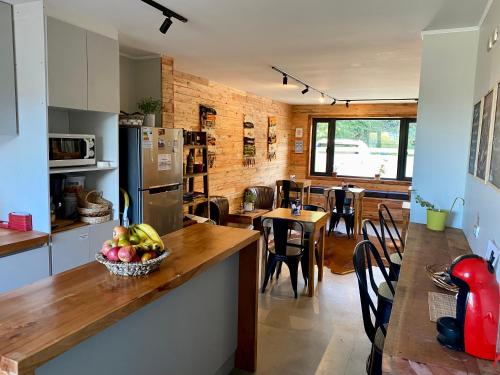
<point x="410" y="149"/>
<point x="365" y="147"/>
<point x="321" y="138"/>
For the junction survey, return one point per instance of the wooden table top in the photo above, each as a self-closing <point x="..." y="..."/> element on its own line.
<point x="312" y="217"/>
<point x="12" y="241"/>
<point x="411" y="346"/>
<point x="250" y="214"/>
<point x="42" y="320"/>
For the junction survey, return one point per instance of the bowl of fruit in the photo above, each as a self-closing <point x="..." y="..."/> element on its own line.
<point x="133" y="251"/>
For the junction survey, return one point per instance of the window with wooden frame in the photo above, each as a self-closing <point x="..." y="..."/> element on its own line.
<point x="363" y="147"/>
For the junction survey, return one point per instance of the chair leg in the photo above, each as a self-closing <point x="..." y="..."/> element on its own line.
<point x="293" y="265"/>
<point x="347" y="226"/>
<point x="270" y="266"/>
<point x="278" y="270"/>
<point x="304" y="265"/>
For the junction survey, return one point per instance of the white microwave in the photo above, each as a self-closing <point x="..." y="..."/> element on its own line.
<point x="66" y="150"/>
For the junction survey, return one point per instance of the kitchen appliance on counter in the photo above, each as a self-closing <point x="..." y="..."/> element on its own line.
<point x="476" y="326"/>
<point x="151" y="171"/>
<point x="67" y="150"/>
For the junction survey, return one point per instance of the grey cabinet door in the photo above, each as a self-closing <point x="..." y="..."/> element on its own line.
<point x="98" y="234"/>
<point x="103" y="73"/>
<point x="8" y="110"/>
<point x="23" y="268"/>
<point x="67" y="65"/>
<point x="70" y="249"/>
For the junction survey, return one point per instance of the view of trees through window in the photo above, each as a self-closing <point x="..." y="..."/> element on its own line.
<point x="364" y="147"/>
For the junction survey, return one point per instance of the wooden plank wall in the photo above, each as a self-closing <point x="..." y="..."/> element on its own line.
<point x="229" y="177"/>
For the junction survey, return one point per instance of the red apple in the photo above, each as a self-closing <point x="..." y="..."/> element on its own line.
<point x="113" y="254"/>
<point x="120" y="232"/>
<point x="106" y="246"/>
<point x="126" y="253"/>
<point x="135" y="259"/>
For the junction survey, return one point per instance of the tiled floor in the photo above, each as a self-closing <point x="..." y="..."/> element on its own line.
<point x="319" y="335"/>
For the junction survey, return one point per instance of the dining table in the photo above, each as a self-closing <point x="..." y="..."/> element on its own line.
<point x="302" y="184"/>
<point x="358" y="194"/>
<point x="315" y="223"/>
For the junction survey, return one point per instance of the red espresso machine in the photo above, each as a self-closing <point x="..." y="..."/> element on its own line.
<point x="475" y="328"/>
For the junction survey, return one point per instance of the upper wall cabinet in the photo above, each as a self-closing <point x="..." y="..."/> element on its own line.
<point x="8" y="107"/>
<point x="103" y="73"/>
<point x="83" y="68"/>
<point x="67" y="65"/>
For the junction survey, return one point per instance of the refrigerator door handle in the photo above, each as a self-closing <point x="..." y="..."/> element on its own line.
<point x="163" y="188"/>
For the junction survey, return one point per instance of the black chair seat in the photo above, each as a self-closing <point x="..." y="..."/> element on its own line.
<point x="379" y="340"/>
<point x="384" y="292"/>
<point x="396" y="259"/>
<point x="291" y="251"/>
<point x="346" y="211"/>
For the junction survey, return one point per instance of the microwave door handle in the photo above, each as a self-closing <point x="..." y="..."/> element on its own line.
<point x="87" y="147"/>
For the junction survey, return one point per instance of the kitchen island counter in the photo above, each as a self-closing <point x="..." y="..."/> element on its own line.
<point x="41" y="321"/>
<point x="13" y="241"/>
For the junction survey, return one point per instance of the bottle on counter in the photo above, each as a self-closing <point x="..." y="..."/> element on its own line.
<point x="190" y="163"/>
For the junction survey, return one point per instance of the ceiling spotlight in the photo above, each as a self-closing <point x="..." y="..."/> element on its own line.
<point x="165" y="25"/>
<point x="322" y="98"/>
<point x="305" y="90"/>
<point x="285" y="79"/>
<point x="334" y="101"/>
<point x="347" y="103"/>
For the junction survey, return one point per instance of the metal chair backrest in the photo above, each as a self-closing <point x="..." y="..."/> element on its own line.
<point x="280" y="228"/>
<point x="367" y="223"/>
<point x="339" y="200"/>
<point x="384" y="227"/>
<point x="312" y="207"/>
<point x="287" y="186"/>
<point x="361" y="261"/>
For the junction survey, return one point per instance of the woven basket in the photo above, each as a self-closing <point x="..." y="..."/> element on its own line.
<point x="440" y="276"/>
<point x="93" y="212"/>
<point x="95" y="220"/>
<point x="94" y="200"/>
<point x="132" y="269"/>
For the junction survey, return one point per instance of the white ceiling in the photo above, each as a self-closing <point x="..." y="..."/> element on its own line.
<point x="349" y="49"/>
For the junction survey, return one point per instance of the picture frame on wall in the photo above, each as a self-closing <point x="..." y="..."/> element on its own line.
<point x="299" y="147"/>
<point x="494" y="172"/>
<point x="476" y="121"/>
<point x="484" y="137"/>
<point x="299" y="132"/>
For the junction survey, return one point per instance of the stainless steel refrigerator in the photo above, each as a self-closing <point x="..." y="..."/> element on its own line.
<point x="151" y="171"/>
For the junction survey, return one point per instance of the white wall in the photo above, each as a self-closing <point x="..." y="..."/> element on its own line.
<point x="444" y="119"/>
<point x="484" y="200"/>
<point x="24" y="183"/>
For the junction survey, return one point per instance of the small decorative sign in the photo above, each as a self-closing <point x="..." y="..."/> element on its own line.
<point x="299" y="147"/>
<point x="299" y="132"/>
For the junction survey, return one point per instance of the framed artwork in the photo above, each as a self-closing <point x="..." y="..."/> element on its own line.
<point x="494" y="175"/>
<point x="271" y="138"/>
<point x="476" y="118"/>
<point x="484" y="137"/>
<point x="248" y="141"/>
<point x="207" y="122"/>
<point x="299" y="132"/>
<point x="299" y="147"/>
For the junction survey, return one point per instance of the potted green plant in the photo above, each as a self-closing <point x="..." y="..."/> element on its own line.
<point x="249" y="203"/>
<point x="381" y="171"/>
<point x="334" y="173"/>
<point x="149" y="107"/>
<point x="436" y="218"/>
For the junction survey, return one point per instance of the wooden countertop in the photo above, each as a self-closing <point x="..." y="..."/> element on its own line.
<point x="411" y="346"/>
<point x="42" y="320"/>
<point x="12" y="241"/>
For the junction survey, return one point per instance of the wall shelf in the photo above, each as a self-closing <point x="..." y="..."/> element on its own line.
<point x="89" y="168"/>
<point x="189" y="147"/>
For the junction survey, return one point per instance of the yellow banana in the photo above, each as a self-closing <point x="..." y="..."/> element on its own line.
<point x="141" y="234"/>
<point x="151" y="233"/>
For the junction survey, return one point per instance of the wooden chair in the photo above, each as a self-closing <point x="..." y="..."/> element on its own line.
<point x="374" y="327"/>
<point x="219" y="212"/>
<point x="341" y="210"/>
<point x="264" y="196"/>
<point x="282" y="250"/>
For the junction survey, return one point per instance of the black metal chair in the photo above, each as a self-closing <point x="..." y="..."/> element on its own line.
<point x="283" y="250"/>
<point x="287" y="186"/>
<point x="393" y="267"/>
<point x="341" y="210"/>
<point x="396" y="258"/>
<point x="374" y="327"/>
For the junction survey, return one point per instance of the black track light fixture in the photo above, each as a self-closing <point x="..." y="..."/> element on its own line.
<point x="169" y="14"/>
<point x="285" y="79"/>
<point x="165" y="25"/>
<point x="305" y="90"/>
<point x="334" y="102"/>
<point x="347" y="103"/>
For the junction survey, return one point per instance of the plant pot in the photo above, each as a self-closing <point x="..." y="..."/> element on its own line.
<point x="436" y="219"/>
<point x="248" y="206"/>
<point x="334" y="174"/>
<point x="149" y="120"/>
<point x="377" y="176"/>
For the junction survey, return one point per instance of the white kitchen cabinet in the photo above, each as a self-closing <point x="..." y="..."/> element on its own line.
<point x="66" y="65"/>
<point x="70" y="249"/>
<point x="103" y="73"/>
<point x="24" y="268"/>
<point x="99" y="233"/>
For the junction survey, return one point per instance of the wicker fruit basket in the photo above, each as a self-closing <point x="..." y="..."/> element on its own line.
<point x="440" y="276"/>
<point x="93" y="208"/>
<point x="132" y="269"/>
